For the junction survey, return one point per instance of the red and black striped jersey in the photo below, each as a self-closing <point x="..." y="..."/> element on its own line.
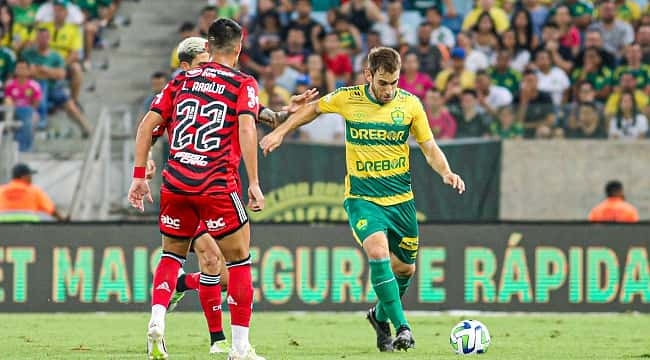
<point x="200" y="109"/>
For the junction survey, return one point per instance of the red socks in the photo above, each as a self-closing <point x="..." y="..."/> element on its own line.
<point x="240" y="292"/>
<point x="210" y="297"/>
<point x="164" y="279"/>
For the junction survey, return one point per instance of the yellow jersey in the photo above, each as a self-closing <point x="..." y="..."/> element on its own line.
<point x="376" y="142"/>
<point x="65" y="39"/>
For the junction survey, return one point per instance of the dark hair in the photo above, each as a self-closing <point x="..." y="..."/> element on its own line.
<point x="551" y="24"/>
<point x="470" y="92"/>
<point x="424" y="23"/>
<point x="384" y="58"/>
<point x="21" y="61"/>
<point x="158" y="75"/>
<point x="619" y="112"/>
<point x="223" y="35"/>
<point x="478" y="21"/>
<point x="434" y="8"/>
<point x="613" y="187"/>
<point x="528" y="71"/>
<point x="11" y="22"/>
<point x="527" y="44"/>
<point x="482" y="72"/>
<point x="186" y="26"/>
<point x="209" y="8"/>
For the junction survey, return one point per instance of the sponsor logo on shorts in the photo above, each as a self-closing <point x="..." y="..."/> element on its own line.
<point x="163" y="286"/>
<point x="214" y="225"/>
<point x="216" y="308"/>
<point x="191" y="159"/>
<point x="170" y="222"/>
<point x="362" y="224"/>
<point x="410" y="244"/>
<point x="231" y="301"/>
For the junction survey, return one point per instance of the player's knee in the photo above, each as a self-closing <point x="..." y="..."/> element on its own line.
<point x="405" y="270"/>
<point x="377" y="252"/>
<point x="210" y="261"/>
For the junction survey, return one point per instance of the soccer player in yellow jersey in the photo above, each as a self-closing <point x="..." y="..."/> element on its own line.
<point x="378" y="199"/>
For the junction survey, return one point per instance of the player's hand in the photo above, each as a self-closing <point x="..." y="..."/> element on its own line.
<point x="151" y="169"/>
<point x="138" y="192"/>
<point x="255" y="198"/>
<point x="454" y="181"/>
<point x="298" y="101"/>
<point x="271" y="142"/>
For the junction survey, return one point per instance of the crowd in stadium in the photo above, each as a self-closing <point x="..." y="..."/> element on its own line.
<point x="46" y="47"/>
<point x="502" y="69"/>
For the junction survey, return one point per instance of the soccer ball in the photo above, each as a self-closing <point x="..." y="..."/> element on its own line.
<point x="469" y="337"/>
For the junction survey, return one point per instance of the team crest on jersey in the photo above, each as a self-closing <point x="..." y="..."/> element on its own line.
<point x="398" y="116"/>
<point x="362" y="224"/>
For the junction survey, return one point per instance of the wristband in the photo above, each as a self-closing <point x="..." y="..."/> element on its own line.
<point x="139" y="172"/>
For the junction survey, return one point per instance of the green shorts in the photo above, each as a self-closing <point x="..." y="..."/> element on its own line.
<point x="398" y="222"/>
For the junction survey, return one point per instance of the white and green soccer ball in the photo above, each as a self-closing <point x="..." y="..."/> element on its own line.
<point x="469" y="337"/>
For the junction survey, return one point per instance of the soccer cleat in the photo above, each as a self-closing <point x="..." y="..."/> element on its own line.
<point x="156" y="348"/>
<point x="382" y="329"/>
<point x="404" y="339"/>
<point x="177" y="296"/>
<point x="220" y="347"/>
<point x="249" y="355"/>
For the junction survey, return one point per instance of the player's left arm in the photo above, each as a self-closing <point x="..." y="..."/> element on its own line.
<point x="247" y="112"/>
<point x="432" y="152"/>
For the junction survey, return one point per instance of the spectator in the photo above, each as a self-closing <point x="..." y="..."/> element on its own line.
<point x="519" y="57"/>
<point x="626" y="84"/>
<point x="411" y="79"/>
<point x="474" y="60"/>
<point x="440" y="34"/>
<point x="207" y="16"/>
<point x="586" y="119"/>
<point x="363" y="13"/>
<point x="349" y="35"/>
<point x="506" y="127"/>
<point x="616" y="33"/>
<point x="13" y="34"/>
<point x="635" y="66"/>
<point x="534" y="108"/>
<point x="227" y="9"/>
<point x="503" y="75"/>
<point x="594" y="39"/>
<point x="24" y="13"/>
<point x="614" y="208"/>
<point x="45" y="13"/>
<point x="593" y="71"/>
<point x="337" y="60"/>
<point x="373" y="40"/>
<point x="643" y="38"/>
<point x="269" y="89"/>
<point x="500" y="18"/>
<point x="98" y="13"/>
<point x="285" y="76"/>
<point x="581" y="12"/>
<point x="442" y="123"/>
<point x="628" y="11"/>
<point x="562" y="56"/>
<point x="22" y="201"/>
<point x="22" y="96"/>
<point x="296" y="51"/>
<point x="319" y="76"/>
<point x="429" y="55"/>
<point x="186" y="30"/>
<point x="392" y="32"/>
<point x="158" y="80"/>
<point x="452" y="93"/>
<point x="491" y="97"/>
<point x="66" y="40"/>
<point x="522" y="25"/>
<point x="48" y="68"/>
<point x="551" y="79"/>
<point x="569" y="33"/>
<point x="485" y="38"/>
<point x="470" y="121"/>
<point x="304" y="22"/>
<point x="7" y="62"/>
<point x="466" y="77"/>
<point x="629" y="123"/>
<point x="538" y="14"/>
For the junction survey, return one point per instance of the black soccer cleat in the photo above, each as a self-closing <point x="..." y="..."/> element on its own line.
<point x="382" y="329"/>
<point x="404" y="339"/>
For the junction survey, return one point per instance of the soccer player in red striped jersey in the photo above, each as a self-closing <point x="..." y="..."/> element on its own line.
<point x="210" y="115"/>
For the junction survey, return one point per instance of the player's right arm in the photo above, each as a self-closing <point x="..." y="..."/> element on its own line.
<point x="247" y="112"/>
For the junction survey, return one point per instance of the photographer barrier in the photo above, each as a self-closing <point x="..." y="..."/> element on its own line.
<point x="497" y="267"/>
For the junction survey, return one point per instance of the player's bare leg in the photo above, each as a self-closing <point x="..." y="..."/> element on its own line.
<point x="385" y="286"/>
<point x="211" y="262"/>
<point x="236" y="250"/>
<point x="164" y="281"/>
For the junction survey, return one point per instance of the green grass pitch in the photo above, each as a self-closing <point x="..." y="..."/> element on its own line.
<point x="280" y="336"/>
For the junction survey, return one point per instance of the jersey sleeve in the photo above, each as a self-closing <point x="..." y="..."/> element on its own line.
<point x="248" y="100"/>
<point x="420" y="124"/>
<point x="163" y="103"/>
<point x="332" y="102"/>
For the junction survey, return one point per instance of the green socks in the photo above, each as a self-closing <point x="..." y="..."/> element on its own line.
<point x="388" y="289"/>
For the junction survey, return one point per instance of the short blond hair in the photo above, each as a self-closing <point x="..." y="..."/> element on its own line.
<point x="189" y="48"/>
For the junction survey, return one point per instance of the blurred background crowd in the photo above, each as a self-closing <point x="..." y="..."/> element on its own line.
<point x="498" y="69"/>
